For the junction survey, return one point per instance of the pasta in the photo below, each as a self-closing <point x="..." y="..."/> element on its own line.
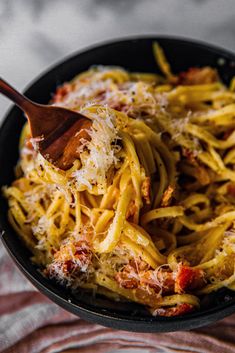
<point x="146" y="213"/>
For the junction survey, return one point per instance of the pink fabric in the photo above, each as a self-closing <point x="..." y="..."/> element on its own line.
<point x="30" y="323"/>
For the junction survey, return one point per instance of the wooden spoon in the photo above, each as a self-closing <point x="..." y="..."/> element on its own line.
<point x="58" y="131"/>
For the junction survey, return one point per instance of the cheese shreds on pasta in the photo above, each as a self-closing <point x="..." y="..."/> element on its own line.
<point x="98" y="155"/>
<point x="146" y="213"/>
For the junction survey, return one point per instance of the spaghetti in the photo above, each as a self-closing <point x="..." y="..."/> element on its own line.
<point x="147" y="212"/>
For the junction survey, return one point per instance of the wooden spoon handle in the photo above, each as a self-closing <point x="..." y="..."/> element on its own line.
<point x="19" y="99"/>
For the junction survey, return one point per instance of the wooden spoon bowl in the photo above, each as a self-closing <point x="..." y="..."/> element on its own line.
<point x="57" y="131"/>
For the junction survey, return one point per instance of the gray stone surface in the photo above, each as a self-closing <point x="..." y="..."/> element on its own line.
<point x="34" y="34"/>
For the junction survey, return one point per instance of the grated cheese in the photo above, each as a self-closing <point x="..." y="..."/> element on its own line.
<point x="99" y="154"/>
<point x="42" y="226"/>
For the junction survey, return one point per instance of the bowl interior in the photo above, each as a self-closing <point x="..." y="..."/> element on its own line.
<point x="134" y="55"/>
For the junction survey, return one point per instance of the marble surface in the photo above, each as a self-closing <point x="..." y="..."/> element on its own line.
<point x="35" y="34"/>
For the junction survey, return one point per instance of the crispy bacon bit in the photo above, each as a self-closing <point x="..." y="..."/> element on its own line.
<point x="177" y="310"/>
<point x="160" y="280"/>
<point x="78" y="250"/>
<point x="145" y="190"/>
<point x="83" y="253"/>
<point x="137" y="274"/>
<point x="67" y="267"/>
<point x="198" y="76"/>
<point x="231" y="189"/>
<point x="61" y="92"/>
<point x="125" y="282"/>
<point x="73" y="256"/>
<point x="127" y="278"/>
<point x="152" y="284"/>
<point x="139" y="265"/>
<point x="167" y="195"/>
<point x="188" y="279"/>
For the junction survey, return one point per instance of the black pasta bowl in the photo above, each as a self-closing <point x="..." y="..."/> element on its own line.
<point x="134" y="54"/>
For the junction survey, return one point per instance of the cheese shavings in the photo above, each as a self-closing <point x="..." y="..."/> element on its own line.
<point x="99" y="154"/>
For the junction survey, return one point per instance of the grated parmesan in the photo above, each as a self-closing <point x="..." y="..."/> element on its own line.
<point x="99" y="154"/>
<point x="42" y="225"/>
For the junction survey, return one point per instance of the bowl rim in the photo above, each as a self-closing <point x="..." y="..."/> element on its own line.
<point x="166" y="324"/>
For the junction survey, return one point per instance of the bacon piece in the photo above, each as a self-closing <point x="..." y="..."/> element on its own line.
<point x="139" y="265"/>
<point x="137" y="274"/>
<point x="167" y="195"/>
<point x="128" y="277"/>
<point x="125" y="282"/>
<point x="73" y="256"/>
<point x="67" y="267"/>
<point x="160" y="280"/>
<point x="152" y="284"/>
<point x="188" y="279"/>
<point x="177" y="310"/>
<point x="83" y="253"/>
<point x="145" y="190"/>
<point x="71" y="249"/>
<point x="61" y="92"/>
<point x="198" y="76"/>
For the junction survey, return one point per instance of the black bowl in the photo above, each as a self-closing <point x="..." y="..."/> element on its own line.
<point x="134" y="54"/>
